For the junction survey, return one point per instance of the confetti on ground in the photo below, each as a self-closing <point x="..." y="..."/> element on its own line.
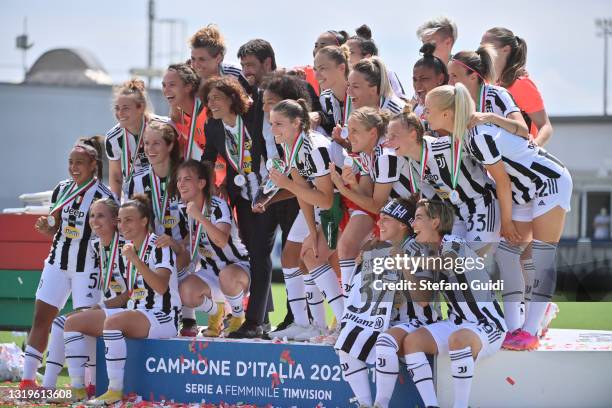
<point x="286" y="357"/>
<point x="510" y="381"/>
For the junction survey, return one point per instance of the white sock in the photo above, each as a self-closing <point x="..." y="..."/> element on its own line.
<point x="236" y="304"/>
<point x="188" y="313"/>
<point x="208" y="306"/>
<point x="387" y="368"/>
<point x="462" y="369"/>
<point x="508" y="259"/>
<point x="90" y="342"/>
<point x="32" y="360"/>
<point x="315" y="299"/>
<point x="77" y="356"/>
<point x="528" y="276"/>
<point x="544" y="283"/>
<point x="356" y="374"/>
<point x="296" y="295"/>
<point x="55" y="353"/>
<point x="420" y="371"/>
<point x="347" y="267"/>
<point x="116" y="354"/>
<point x="327" y="282"/>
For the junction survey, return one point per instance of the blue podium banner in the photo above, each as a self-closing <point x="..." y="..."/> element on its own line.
<point x="261" y="373"/>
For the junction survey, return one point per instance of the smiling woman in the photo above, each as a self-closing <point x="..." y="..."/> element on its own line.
<point x="68" y="223"/>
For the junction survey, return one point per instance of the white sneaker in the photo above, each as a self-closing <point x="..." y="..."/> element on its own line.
<point x="310" y="332"/>
<point x="552" y="310"/>
<point x="290" y="332"/>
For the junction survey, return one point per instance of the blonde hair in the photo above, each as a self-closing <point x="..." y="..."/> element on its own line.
<point x="456" y="98"/>
<point x="375" y="73"/>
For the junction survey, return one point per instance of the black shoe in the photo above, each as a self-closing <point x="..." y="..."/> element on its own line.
<point x="248" y="330"/>
<point x="285" y="323"/>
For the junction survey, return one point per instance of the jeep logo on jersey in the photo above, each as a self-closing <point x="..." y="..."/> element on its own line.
<point x="75" y="212"/>
<point x="440" y="161"/>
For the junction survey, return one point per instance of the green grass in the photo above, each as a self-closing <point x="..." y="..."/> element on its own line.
<point x="572" y="315"/>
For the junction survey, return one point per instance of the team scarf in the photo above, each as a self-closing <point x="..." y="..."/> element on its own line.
<point x="291" y="156"/>
<point x="414" y="187"/>
<point x="159" y="192"/>
<point x="107" y="262"/>
<point x="197" y="105"/>
<point x="131" y="268"/>
<point x="70" y="193"/>
<point x="128" y="158"/>
<point x="196" y="239"/>
<point x="236" y="157"/>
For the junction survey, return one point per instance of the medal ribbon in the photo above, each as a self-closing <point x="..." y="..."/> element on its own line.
<point x="197" y="104"/>
<point x="291" y="158"/>
<point x="195" y="242"/>
<point x="127" y="158"/>
<point x="480" y="106"/>
<point x="159" y="192"/>
<point x="240" y="140"/>
<point x="424" y="155"/>
<point x="348" y="107"/>
<point x="132" y="271"/>
<point x="106" y="264"/>
<point x="70" y="193"/>
<point x="456" y="153"/>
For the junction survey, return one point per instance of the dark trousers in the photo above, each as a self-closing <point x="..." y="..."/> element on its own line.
<point x="258" y="232"/>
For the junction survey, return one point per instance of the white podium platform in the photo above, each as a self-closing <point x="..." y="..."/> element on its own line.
<point x="571" y="368"/>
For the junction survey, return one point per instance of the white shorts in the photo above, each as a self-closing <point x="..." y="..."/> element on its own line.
<point x="163" y="326"/>
<point x="491" y="338"/>
<point x="55" y="286"/>
<point x="481" y="227"/>
<point x="554" y="192"/>
<point x="299" y="229"/>
<point x="209" y="277"/>
<point x="408" y="326"/>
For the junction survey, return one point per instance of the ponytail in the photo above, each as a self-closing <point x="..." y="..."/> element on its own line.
<point x="456" y="98"/>
<point x="92" y="146"/>
<point x="479" y="62"/>
<point x="372" y="118"/>
<point x="410" y="120"/>
<point x="295" y="110"/>
<point x="142" y="203"/>
<point x="517" y="59"/>
<point x="375" y="73"/>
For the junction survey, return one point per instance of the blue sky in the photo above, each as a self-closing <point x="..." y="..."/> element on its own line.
<point x="565" y="57"/>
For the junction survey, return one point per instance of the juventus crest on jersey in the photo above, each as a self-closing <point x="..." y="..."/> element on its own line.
<point x="70" y="248"/>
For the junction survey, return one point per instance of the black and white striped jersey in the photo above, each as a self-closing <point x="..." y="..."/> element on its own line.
<point x="174" y="223"/>
<point x="236" y="72"/>
<point x="474" y="186"/>
<point x="143" y="296"/>
<point x="392" y="104"/>
<point x="70" y="248"/>
<point x="333" y="108"/>
<point x="498" y="101"/>
<point x="118" y="283"/>
<point x="384" y="166"/>
<point x="396" y="84"/>
<point x="314" y="156"/>
<point x="406" y="310"/>
<point x="468" y="303"/>
<point x="530" y="167"/>
<point x="209" y="254"/>
<point x="115" y="139"/>
<point x="368" y="308"/>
